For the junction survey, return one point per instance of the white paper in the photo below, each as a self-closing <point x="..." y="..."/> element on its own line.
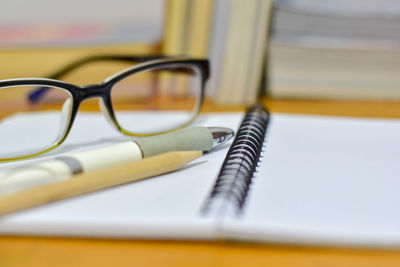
<point x="322" y="180"/>
<point x="162" y="207"/>
<point x="325" y="181"/>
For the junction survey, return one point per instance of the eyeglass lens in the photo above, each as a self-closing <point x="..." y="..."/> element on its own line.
<point x="173" y="92"/>
<point x="22" y="132"/>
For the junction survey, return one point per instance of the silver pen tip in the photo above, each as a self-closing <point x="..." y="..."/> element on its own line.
<point x="220" y="135"/>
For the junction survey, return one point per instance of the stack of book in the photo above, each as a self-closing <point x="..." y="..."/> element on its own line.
<point x="334" y="49"/>
<point x="232" y="33"/>
<point x="309" y="49"/>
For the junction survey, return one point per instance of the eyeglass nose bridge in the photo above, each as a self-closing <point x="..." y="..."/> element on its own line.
<point x="100" y="91"/>
<point x="91" y="91"/>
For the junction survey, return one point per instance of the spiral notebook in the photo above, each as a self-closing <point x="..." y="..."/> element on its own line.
<point x="285" y="178"/>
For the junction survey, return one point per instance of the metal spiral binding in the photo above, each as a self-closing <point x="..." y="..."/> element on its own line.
<point x="237" y="170"/>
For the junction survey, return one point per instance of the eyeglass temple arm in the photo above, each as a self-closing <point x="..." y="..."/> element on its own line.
<point x="36" y="94"/>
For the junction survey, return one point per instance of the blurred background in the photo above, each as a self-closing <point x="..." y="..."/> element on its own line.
<point x="41" y="36"/>
<point x="285" y="49"/>
<point x="48" y="23"/>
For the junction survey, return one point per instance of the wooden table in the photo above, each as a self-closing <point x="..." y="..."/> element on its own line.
<point x="54" y="251"/>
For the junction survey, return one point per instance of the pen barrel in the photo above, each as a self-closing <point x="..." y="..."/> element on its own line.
<point x="105" y="157"/>
<point x="189" y="139"/>
<point x="22" y="177"/>
<point x="96" y="180"/>
<point x="64" y="167"/>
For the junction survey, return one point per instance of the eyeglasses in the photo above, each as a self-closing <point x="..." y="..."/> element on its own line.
<point x="156" y="85"/>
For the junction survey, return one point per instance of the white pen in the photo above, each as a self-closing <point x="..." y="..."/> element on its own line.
<point x="64" y="166"/>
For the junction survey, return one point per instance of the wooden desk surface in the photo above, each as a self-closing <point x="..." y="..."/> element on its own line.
<point x="52" y="251"/>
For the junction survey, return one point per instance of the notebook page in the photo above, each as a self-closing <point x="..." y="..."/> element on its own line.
<point x="162" y="207"/>
<point x="325" y="180"/>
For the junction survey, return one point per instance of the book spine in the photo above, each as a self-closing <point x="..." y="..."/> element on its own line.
<point x="230" y="190"/>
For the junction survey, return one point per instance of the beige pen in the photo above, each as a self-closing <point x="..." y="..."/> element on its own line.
<point x="96" y="180"/>
<point x="63" y="167"/>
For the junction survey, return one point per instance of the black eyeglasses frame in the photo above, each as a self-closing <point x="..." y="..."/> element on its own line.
<point x="103" y="90"/>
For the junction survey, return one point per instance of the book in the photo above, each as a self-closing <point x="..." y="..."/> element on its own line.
<point x="199" y="28"/>
<point x="319" y="180"/>
<point x="233" y="34"/>
<point x="219" y="27"/>
<point x="175" y="27"/>
<point x="187" y="28"/>
<point x="345" y="50"/>
<point x="244" y="52"/>
<point x="186" y="32"/>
